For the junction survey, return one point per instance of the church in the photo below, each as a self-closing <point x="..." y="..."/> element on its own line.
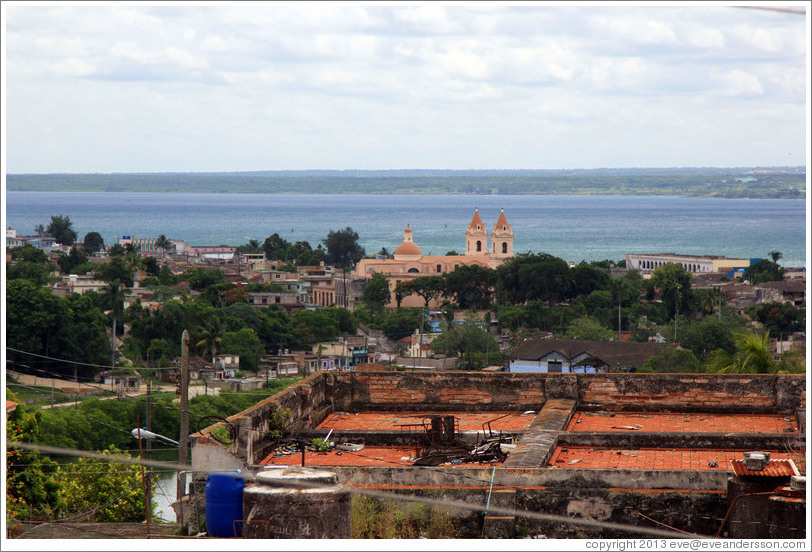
<point x="408" y="261"/>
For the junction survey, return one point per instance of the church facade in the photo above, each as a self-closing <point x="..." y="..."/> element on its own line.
<point x="409" y="263"/>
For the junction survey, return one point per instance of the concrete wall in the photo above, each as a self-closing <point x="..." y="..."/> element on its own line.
<point x="315" y="397"/>
<point x="687" y="500"/>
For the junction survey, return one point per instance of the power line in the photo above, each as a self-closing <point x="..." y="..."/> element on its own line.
<point x="57" y="359"/>
<point x="494" y="510"/>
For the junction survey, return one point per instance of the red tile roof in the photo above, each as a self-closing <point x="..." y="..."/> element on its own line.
<point x="394" y="421"/>
<point x="368" y="456"/>
<point x="654" y="459"/>
<point x="682" y="422"/>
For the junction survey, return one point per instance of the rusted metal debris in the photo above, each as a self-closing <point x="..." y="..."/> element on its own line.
<point x="443" y="446"/>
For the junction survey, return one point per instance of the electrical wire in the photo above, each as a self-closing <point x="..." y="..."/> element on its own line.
<point x="495" y="510"/>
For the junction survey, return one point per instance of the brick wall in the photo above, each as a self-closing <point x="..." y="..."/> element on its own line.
<point x="312" y="399"/>
<point x="686" y="392"/>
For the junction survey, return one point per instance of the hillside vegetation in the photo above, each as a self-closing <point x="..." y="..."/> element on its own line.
<point x="750" y="182"/>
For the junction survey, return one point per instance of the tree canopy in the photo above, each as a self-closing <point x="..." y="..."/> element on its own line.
<point x="343" y="249"/>
<point x="61" y="229"/>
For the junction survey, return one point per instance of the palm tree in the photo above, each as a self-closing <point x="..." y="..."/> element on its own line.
<point x="211" y="334"/>
<point x="775" y="255"/>
<point x="163" y="243"/>
<point x="752" y="356"/>
<point x="112" y="299"/>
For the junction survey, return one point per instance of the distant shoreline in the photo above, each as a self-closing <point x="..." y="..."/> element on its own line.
<point x="751" y="182"/>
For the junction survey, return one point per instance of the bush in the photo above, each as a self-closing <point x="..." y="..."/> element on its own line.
<point x="372" y="518"/>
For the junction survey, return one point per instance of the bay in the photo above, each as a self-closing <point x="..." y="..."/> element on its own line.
<point x="573" y="227"/>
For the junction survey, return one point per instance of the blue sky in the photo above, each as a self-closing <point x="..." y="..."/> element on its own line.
<point x="305" y="85"/>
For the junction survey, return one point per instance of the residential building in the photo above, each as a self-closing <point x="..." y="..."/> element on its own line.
<point x="582" y="356"/>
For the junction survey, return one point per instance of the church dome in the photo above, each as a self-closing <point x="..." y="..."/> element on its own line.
<point x="407" y="249"/>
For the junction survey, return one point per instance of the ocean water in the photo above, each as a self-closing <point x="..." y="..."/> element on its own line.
<point x="574" y="227"/>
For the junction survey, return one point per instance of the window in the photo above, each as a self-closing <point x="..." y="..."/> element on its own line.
<point x="504" y="247"/>
<point x="554" y="366"/>
<point x="412" y="270"/>
<point x="439" y="268"/>
<point x="478" y="246"/>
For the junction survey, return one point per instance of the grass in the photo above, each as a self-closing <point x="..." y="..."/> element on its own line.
<point x="373" y="518"/>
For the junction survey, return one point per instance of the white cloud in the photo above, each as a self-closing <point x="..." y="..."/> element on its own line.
<point x="306" y="85"/>
<point x="739" y="83"/>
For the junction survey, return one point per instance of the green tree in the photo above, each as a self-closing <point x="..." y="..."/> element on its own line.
<point x="706" y="336"/>
<point x="33" y="272"/>
<point x="246" y="344"/>
<point x="752" y="356"/>
<point x="201" y="278"/>
<point x="778" y="318"/>
<point x="587" y="278"/>
<point x="110" y="490"/>
<point x="61" y="229"/>
<point x="530" y="277"/>
<point x="112" y="300"/>
<point x="764" y="271"/>
<point x="252" y="247"/>
<point x="276" y="248"/>
<point x="210" y="335"/>
<point x="589" y="328"/>
<point x="376" y="294"/>
<point x="673" y="361"/>
<point x="401" y="323"/>
<point x="471" y="286"/>
<point x="159" y="353"/>
<point x="674" y="283"/>
<point x="76" y="257"/>
<point x="93" y="242"/>
<point x="427" y="287"/>
<point x="116" y="250"/>
<point x="473" y="345"/>
<point x="118" y="269"/>
<point x="163" y="244"/>
<point x="311" y="327"/>
<point x="343" y="250"/>
<point x="29" y="254"/>
<point x="32" y="488"/>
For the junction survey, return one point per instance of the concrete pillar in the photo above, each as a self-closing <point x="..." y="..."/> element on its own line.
<point x="296" y="503"/>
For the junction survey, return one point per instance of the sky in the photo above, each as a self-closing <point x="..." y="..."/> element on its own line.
<point x="192" y="87"/>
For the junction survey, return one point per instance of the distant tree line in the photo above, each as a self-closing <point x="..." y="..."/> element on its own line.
<point x="699" y="182"/>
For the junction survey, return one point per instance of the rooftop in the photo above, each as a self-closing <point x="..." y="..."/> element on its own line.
<point x="657" y="459"/>
<point x="682" y="422"/>
<point x="368" y="456"/>
<point x="393" y="421"/>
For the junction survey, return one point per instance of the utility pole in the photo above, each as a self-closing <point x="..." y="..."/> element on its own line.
<point x="184" y="419"/>
<point x="148" y="486"/>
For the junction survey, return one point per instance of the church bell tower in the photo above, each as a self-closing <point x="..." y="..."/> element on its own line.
<point x="502" y="238"/>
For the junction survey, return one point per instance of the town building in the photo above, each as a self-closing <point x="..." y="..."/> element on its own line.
<point x="556" y="356"/>
<point x="695" y="264"/>
<point x="409" y="263"/>
<point x="146" y="246"/>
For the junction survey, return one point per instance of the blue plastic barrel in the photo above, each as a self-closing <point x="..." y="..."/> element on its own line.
<point x="224" y="504"/>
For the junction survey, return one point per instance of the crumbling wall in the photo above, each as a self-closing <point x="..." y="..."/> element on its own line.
<point x="309" y="401"/>
<point x="750" y="393"/>
<point x="476" y="390"/>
